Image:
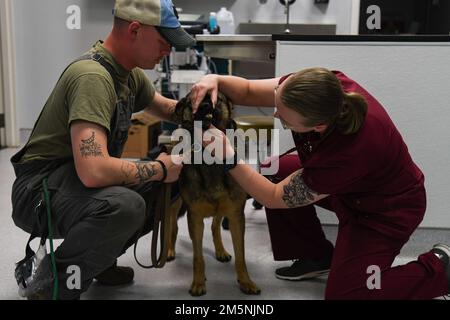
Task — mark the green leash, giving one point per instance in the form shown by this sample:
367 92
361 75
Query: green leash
50 237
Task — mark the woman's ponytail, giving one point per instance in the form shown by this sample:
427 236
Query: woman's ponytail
353 115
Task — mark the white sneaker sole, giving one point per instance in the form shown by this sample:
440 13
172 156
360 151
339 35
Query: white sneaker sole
305 276
443 247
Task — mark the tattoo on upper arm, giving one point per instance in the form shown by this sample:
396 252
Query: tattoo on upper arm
297 193
90 148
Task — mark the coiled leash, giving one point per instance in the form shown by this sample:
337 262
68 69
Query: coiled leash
161 223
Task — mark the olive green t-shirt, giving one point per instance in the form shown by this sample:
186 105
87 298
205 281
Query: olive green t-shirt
84 92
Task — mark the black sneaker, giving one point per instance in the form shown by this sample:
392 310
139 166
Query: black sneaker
304 269
116 276
442 251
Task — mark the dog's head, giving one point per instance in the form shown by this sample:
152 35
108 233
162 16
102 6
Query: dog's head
220 116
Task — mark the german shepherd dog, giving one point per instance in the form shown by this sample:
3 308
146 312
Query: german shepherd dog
208 191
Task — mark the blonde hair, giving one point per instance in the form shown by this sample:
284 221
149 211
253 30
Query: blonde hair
318 96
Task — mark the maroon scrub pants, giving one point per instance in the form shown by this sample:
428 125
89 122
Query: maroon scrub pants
297 233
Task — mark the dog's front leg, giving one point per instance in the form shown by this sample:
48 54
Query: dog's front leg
196 227
237 229
221 254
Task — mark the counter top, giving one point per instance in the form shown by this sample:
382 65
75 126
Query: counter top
322 38
234 37
362 38
262 47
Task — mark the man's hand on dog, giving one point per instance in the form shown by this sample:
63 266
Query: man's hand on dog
208 84
174 164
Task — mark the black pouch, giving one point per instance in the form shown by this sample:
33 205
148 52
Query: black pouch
26 271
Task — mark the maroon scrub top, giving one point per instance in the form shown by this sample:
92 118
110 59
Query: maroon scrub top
370 175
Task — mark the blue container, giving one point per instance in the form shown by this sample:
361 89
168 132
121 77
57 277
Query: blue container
212 21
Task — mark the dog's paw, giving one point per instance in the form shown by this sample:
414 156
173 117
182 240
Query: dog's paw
198 289
170 255
249 287
223 256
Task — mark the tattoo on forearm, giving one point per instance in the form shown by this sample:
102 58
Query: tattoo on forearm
90 148
138 172
297 193
145 171
127 171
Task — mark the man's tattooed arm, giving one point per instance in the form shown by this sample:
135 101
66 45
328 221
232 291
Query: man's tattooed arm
136 173
145 171
97 169
162 108
90 148
298 194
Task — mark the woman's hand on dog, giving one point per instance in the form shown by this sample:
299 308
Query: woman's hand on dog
208 84
174 164
217 143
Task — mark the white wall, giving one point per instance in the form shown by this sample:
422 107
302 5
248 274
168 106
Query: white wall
411 81
302 11
2 100
44 46
8 74
1 74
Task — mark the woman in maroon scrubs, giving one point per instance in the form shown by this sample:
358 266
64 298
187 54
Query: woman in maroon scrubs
351 160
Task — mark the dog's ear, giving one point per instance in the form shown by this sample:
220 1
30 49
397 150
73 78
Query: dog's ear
183 113
223 112
225 102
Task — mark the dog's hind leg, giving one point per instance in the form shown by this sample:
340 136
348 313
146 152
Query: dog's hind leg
237 230
221 254
196 227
